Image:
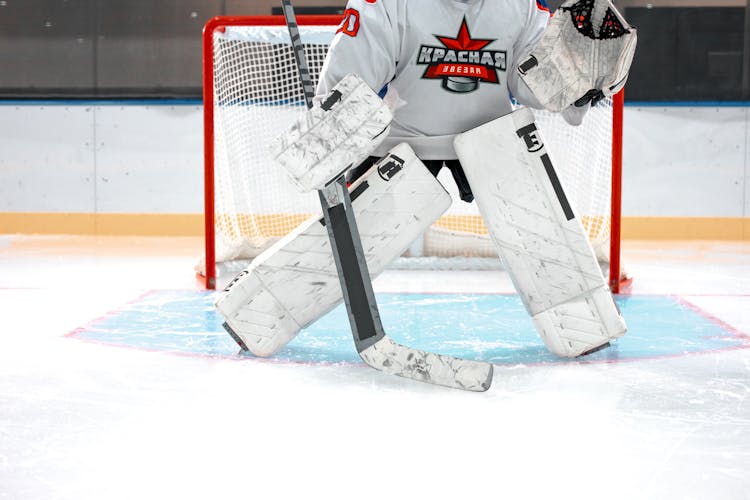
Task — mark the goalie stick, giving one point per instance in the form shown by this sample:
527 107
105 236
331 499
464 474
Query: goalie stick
373 345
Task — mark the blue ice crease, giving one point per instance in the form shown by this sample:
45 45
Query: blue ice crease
486 327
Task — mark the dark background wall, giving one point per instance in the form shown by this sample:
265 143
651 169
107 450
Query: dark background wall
102 48
691 53
152 49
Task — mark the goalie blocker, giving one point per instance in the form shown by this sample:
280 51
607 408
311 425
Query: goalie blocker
335 133
538 236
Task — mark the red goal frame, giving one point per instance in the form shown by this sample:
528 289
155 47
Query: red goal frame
220 22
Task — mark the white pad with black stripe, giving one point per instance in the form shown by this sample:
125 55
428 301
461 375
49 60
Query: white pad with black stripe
538 236
295 282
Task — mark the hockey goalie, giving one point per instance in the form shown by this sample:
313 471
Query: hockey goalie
411 87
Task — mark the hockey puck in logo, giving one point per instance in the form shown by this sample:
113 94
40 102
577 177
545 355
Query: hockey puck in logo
460 84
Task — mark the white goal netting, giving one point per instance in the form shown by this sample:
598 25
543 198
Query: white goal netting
256 93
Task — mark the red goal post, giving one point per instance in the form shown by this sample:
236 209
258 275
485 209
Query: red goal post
251 91
217 24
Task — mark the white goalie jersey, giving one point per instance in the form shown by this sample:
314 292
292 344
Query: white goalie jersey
455 62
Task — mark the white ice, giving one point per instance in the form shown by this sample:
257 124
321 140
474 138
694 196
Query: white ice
87 421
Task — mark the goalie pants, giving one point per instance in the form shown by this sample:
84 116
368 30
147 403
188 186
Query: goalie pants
434 166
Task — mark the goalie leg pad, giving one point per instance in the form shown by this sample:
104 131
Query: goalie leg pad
341 130
295 282
537 235
580 325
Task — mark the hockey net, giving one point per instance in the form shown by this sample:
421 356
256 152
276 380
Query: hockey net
251 94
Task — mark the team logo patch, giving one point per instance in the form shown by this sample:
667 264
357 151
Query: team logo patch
462 62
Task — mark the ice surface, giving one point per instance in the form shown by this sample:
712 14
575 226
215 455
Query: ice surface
82 420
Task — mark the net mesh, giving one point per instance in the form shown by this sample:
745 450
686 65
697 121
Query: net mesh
257 93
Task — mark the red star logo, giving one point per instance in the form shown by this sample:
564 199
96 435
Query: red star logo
463 41
463 63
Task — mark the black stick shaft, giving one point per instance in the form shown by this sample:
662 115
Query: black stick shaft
343 234
299 52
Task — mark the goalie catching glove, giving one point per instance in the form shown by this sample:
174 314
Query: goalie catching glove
339 131
583 56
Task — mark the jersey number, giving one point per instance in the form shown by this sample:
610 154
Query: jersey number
350 24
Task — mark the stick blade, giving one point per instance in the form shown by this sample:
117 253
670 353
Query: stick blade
395 359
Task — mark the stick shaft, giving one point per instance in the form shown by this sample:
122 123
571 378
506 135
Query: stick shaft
299 52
